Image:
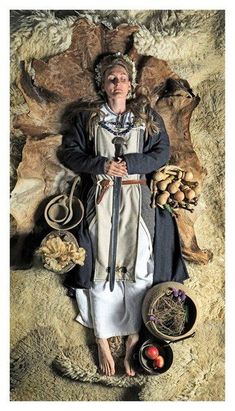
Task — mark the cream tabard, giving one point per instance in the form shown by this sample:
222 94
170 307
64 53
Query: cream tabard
129 217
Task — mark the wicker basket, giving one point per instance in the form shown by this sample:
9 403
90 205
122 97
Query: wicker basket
158 291
65 236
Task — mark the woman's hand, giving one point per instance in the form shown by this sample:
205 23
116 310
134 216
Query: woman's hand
115 168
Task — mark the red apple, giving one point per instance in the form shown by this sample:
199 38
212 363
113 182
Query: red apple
158 362
151 352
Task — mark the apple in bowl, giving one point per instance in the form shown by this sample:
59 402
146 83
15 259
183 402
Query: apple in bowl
158 362
151 352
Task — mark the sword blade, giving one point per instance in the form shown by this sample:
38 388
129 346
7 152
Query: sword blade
117 183
114 230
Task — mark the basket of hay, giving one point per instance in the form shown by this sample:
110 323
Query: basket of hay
170 311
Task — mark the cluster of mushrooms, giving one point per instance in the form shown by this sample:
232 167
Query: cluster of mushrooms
57 253
173 187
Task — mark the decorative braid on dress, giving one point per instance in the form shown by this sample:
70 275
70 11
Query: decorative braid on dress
116 133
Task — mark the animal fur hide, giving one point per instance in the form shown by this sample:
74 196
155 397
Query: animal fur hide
68 76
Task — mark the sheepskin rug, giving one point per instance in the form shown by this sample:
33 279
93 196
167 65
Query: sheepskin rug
45 338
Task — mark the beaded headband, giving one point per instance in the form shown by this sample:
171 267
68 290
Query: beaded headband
118 59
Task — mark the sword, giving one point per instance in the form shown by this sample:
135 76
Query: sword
118 143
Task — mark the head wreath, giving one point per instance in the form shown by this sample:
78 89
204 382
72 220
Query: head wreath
115 59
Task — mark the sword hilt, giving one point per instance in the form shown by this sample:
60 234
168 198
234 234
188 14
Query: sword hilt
118 142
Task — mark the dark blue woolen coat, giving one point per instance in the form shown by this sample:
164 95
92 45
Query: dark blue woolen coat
77 154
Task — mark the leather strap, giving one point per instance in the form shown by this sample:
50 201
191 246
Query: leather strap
124 182
105 184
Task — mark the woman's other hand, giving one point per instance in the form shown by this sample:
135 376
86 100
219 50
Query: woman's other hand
115 168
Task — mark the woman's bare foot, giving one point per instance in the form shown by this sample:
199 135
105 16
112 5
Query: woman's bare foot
106 362
130 345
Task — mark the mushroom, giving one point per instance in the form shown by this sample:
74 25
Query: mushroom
160 175
162 198
174 187
162 185
189 194
188 176
178 196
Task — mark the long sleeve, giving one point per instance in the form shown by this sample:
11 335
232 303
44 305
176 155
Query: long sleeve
76 151
156 153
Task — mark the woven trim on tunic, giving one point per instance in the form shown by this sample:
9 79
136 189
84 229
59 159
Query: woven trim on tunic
116 133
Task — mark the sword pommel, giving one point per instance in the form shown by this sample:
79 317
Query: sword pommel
118 140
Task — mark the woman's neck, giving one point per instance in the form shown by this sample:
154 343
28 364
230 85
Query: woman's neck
118 106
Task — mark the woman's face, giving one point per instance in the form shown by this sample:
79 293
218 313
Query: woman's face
116 82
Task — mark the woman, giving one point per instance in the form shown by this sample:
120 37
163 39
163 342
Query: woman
88 148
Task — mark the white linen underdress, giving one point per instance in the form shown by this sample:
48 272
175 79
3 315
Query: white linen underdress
117 313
